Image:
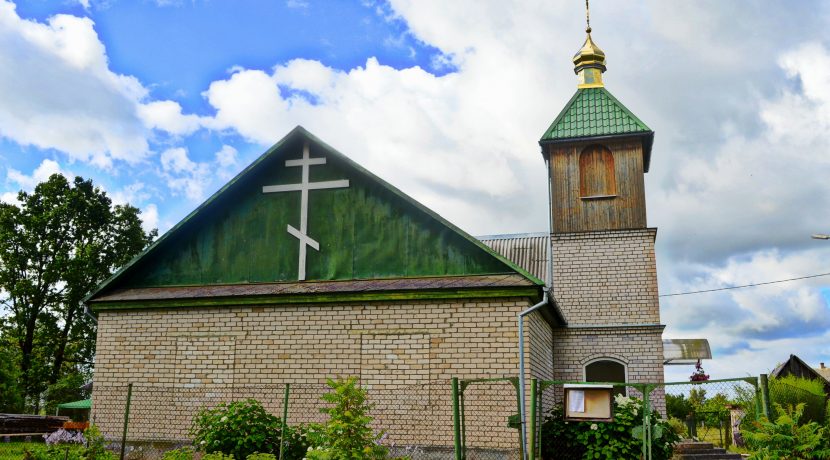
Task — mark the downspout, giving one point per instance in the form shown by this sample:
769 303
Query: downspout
88 312
545 300
522 411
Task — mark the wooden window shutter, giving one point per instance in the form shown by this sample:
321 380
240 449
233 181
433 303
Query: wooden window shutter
596 172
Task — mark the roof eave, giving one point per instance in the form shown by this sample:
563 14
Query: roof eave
646 136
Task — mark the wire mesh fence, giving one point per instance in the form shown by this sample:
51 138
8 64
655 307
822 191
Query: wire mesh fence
489 419
713 411
785 394
145 421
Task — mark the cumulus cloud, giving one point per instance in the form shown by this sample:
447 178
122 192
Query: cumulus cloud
58 92
40 174
736 171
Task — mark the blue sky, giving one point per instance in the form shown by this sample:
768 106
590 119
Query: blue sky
161 102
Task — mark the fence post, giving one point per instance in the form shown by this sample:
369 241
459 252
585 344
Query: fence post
456 419
647 422
126 419
284 418
534 387
765 404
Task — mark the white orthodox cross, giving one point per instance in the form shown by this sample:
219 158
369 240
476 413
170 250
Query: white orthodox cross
303 187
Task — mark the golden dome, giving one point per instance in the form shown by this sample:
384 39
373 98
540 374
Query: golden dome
589 55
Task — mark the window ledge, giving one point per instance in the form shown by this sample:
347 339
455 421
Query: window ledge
598 197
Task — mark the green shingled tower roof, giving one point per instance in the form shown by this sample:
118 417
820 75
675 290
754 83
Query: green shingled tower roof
593 112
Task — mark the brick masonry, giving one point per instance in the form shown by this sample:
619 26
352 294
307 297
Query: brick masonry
405 354
606 287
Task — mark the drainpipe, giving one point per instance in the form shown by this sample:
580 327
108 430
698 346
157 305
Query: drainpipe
522 410
88 312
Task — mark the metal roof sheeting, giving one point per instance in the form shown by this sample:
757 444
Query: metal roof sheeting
527 250
593 112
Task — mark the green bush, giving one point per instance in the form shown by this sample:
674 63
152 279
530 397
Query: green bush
617 440
243 428
678 426
92 450
346 434
788 438
791 391
258 456
217 456
678 406
183 453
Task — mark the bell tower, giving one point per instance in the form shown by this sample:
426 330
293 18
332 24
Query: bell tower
604 269
597 151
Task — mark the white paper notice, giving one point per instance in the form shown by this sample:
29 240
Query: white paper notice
576 401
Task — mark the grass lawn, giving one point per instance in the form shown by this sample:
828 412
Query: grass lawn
14 450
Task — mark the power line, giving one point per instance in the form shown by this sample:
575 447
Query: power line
746 285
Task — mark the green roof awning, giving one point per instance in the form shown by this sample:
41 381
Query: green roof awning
82 404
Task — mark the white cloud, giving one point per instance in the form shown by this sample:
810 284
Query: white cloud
226 156
168 116
149 217
40 174
58 92
297 4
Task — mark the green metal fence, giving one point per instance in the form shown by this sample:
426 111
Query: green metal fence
461 419
709 411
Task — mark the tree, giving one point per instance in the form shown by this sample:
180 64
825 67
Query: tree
55 247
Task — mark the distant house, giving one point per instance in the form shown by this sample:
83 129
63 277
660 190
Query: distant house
795 366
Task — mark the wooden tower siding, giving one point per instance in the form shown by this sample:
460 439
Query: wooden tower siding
573 211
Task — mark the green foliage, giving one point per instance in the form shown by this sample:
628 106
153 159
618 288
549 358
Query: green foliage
66 389
93 450
239 429
96 445
791 391
678 406
261 457
55 452
788 438
182 453
217 456
55 246
11 397
346 435
678 426
617 440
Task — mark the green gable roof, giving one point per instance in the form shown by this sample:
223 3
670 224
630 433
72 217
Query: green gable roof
594 112
366 230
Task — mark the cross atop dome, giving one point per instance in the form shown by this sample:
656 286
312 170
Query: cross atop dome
589 61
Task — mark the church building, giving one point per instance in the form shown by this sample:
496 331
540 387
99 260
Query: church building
306 266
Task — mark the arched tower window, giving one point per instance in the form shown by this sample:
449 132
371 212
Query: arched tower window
607 370
596 172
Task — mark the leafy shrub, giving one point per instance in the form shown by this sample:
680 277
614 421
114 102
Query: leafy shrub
346 434
259 456
617 440
96 445
184 453
791 391
678 406
217 456
243 428
788 438
237 429
67 445
678 426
